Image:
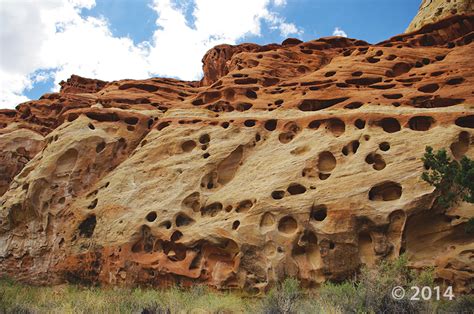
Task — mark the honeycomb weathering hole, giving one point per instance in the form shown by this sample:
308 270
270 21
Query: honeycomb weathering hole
204 139
86 228
151 216
267 220
359 123
278 195
287 225
188 146
319 104
336 126
326 162
429 88
420 123
235 225
183 220
271 124
465 122
385 146
390 125
376 160
460 147
100 147
318 212
176 236
296 188
385 191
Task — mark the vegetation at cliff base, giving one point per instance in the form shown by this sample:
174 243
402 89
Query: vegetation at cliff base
368 292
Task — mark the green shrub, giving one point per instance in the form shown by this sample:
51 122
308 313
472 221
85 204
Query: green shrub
371 290
453 179
284 298
463 304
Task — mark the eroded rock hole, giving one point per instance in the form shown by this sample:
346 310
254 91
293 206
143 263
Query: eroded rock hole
353 105
151 216
385 146
93 204
287 225
455 81
315 124
249 123
460 148
235 225
100 147
296 188
352 147
183 220
86 228
244 206
228 167
390 125
131 120
192 201
176 236
251 94
376 160
385 191
268 220
204 139
359 123
162 125
278 195
429 88
188 145
319 104
420 123
326 161
318 212
271 125
465 122
336 126
212 209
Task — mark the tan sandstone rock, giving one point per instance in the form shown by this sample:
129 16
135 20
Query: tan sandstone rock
300 159
434 10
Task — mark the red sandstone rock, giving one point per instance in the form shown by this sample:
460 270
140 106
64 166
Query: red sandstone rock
300 159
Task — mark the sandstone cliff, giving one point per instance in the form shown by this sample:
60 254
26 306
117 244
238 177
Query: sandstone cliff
434 10
300 159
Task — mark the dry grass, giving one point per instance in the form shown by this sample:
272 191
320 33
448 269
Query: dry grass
368 293
19 298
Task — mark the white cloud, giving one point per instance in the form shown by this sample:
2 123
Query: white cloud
177 48
50 39
339 32
279 3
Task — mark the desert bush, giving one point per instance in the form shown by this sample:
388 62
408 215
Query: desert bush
463 305
20 298
371 290
283 298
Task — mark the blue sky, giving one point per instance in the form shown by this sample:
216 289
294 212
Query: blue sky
116 39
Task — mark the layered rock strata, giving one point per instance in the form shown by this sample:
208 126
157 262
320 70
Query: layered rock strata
301 159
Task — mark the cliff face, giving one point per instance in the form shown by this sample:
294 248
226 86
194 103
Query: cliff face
434 10
300 159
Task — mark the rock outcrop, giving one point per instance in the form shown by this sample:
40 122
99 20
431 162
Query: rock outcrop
301 159
434 10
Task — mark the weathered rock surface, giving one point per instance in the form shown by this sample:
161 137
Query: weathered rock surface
300 159
434 10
